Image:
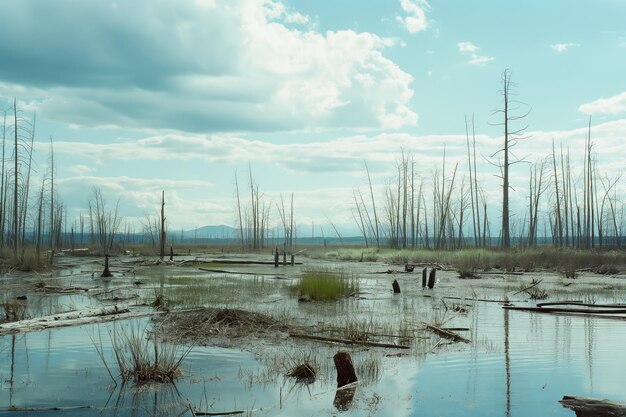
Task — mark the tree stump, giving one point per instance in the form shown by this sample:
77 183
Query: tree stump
106 273
409 268
431 278
344 398
345 369
396 286
424 278
276 258
171 253
293 259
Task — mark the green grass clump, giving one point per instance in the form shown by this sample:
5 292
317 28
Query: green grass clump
326 285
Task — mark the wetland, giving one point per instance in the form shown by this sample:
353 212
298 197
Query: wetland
239 330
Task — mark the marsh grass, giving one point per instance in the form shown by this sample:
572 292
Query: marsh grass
142 357
326 284
564 260
226 290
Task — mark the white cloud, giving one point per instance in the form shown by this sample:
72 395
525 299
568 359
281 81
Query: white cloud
415 21
611 105
222 65
470 50
466 47
562 47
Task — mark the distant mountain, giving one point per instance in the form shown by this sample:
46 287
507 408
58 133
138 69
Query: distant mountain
212 232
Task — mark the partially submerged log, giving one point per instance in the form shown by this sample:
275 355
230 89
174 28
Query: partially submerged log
597 310
447 334
78 407
347 341
345 369
591 407
73 318
396 286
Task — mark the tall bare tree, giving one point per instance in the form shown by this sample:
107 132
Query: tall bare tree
511 113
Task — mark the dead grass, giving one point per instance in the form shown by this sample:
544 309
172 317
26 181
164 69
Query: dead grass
198 326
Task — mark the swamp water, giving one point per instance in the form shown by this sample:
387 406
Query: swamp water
518 364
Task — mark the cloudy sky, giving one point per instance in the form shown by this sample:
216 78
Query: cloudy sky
143 96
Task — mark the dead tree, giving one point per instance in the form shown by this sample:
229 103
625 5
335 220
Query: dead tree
511 138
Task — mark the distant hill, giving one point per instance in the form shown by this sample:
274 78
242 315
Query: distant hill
212 232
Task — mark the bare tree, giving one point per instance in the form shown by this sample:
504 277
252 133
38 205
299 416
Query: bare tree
509 112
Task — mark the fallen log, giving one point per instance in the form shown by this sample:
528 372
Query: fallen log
218 413
347 341
605 310
591 407
239 262
446 334
73 318
224 271
13 408
580 304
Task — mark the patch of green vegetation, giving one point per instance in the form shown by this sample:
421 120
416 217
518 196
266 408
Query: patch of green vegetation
326 285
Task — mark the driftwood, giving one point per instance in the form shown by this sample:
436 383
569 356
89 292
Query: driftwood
73 318
598 310
534 284
223 271
78 407
591 407
218 413
581 304
485 300
347 341
447 334
239 262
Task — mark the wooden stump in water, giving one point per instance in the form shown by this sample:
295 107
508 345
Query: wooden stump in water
344 398
106 273
396 286
171 253
293 259
345 369
424 272
431 278
276 258
409 268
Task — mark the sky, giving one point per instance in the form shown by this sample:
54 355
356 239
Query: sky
183 96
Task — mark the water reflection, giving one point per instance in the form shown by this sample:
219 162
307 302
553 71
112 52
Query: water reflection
544 358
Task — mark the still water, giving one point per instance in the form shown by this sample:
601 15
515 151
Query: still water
518 364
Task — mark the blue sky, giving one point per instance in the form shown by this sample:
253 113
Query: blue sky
179 95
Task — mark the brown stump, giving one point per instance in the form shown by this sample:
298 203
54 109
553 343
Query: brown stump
293 259
106 273
171 253
431 278
409 268
345 369
396 286
344 398
276 258
424 272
